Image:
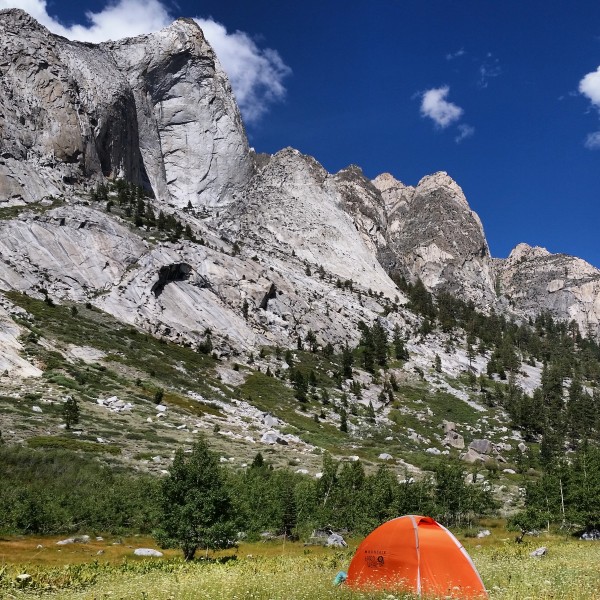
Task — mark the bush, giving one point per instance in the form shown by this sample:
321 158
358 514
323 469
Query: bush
47 441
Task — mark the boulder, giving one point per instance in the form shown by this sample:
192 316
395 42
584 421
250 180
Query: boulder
448 426
591 535
471 456
78 539
434 451
537 553
522 447
273 437
385 456
482 446
335 540
147 552
454 440
270 421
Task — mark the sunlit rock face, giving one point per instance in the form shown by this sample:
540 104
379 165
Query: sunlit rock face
192 140
534 280
156 109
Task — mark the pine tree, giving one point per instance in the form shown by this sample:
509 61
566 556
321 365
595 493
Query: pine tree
347 362
370 413
70 412
380 344
398 343
311 340
300 387
196 509
343 420
161 223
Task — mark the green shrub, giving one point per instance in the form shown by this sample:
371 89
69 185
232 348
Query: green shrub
62 443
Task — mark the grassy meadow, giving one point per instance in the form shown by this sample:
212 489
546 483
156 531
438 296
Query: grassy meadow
277 570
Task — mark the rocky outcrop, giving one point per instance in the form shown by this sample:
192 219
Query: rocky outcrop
70 253
294 209
434 235
534 280
364 203
156 110
11 362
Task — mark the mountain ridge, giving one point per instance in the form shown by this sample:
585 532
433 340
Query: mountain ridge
167 119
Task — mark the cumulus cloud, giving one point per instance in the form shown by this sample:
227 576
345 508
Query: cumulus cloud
589 86
464 131
123 18
435 106
256 74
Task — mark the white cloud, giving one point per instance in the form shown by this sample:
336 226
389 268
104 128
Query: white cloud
464 131
592 141
256 74
435 106
589 86
118 19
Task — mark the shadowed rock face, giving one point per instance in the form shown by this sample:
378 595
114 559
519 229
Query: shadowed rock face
169 273
434 235
156 110
67 114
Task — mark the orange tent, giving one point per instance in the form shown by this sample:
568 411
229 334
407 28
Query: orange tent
415 554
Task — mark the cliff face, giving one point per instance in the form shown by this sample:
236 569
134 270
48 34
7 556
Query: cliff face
67 114
156 110
192 140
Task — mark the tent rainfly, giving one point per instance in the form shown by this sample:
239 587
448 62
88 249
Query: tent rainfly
418 555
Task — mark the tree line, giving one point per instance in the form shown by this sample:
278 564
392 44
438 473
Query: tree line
202 501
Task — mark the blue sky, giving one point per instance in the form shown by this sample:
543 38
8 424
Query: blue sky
487 91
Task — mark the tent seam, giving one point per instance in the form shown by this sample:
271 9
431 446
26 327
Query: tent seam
414 522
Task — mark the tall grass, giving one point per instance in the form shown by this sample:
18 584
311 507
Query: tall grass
568 572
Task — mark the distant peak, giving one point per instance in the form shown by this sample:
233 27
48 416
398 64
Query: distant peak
522 251
386 181
438 179
441 180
